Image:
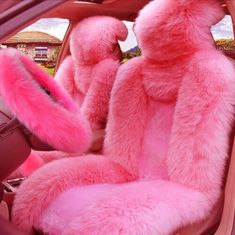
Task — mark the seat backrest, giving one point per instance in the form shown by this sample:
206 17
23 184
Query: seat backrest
89 73
222 221
198 147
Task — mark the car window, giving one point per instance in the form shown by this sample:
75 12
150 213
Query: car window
129 47
41 41
130 42
221 32
224 36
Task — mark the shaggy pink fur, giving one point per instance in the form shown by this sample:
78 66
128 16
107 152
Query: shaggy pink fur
88 74
37 159
86 170
24 87
171 112
160 208
132 211
65 78
29 166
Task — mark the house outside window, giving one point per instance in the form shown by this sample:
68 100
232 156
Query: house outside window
39 46
40 41
224 36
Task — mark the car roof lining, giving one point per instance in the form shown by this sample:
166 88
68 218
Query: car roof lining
121 9
37 9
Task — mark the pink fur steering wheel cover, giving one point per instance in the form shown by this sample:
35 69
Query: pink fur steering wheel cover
57 121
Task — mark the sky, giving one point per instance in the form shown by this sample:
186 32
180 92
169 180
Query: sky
223 29
54 26
57 27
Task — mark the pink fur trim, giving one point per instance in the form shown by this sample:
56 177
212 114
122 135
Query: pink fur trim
59 123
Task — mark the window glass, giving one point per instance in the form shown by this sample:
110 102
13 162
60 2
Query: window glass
224 29
54 26
224 36
130 42
41 41
129 47
221 32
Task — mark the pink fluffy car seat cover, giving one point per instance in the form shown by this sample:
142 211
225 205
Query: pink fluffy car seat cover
89 73
39 103
171 113
87 76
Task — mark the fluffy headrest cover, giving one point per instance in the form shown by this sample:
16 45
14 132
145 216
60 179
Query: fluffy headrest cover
166 28
96 38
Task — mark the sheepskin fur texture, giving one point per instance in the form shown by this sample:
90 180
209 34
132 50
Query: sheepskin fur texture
167 137
37 159
53 117
89 73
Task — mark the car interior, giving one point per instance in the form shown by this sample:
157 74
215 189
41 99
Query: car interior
15 15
